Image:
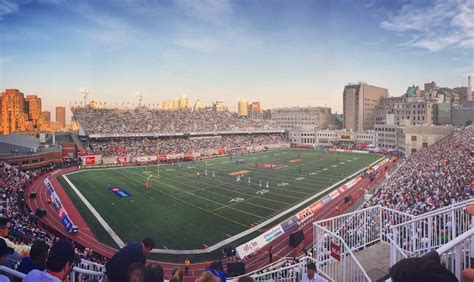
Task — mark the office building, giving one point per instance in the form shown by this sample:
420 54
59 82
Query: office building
308 117
359 103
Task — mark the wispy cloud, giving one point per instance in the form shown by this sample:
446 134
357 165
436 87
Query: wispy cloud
199 44
104 28
443 24
8 7
210 11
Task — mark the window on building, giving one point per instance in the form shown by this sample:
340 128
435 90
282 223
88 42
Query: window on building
24 162
425 144
413 138
413 150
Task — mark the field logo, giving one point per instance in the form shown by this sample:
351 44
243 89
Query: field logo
295 161
120 192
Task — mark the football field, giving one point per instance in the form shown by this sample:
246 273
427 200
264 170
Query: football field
199 203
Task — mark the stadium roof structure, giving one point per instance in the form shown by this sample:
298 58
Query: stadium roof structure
25 141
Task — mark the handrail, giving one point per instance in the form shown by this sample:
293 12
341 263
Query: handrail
451 244
437 211
349 251
12 272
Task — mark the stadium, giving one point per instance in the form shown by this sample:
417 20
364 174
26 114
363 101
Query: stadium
238 195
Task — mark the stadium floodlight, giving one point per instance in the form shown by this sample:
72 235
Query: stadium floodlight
85 94
140 98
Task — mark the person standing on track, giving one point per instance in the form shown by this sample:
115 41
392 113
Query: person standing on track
187 263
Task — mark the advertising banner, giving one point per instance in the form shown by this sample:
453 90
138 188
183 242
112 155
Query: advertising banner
65 220
259 242
334 194
250 247
121 159
304 215
316 206
90 160
286 225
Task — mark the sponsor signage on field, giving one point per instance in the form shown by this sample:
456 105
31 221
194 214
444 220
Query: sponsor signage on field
316 206
272 234
304 214
119 192
250 247
292 221
63 216
325 200
334 194
259 242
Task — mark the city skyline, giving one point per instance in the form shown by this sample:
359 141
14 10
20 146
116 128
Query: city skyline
282 54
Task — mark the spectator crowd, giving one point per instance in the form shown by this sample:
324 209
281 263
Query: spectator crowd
434 177
135 147
143 120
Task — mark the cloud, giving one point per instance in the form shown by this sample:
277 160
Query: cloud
199 44
209 11
442 24
8 7
104 28
369 3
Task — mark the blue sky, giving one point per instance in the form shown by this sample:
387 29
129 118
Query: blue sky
283 53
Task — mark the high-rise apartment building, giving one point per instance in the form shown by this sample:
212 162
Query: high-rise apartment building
242 106
359 103
61 116
14 114
33 104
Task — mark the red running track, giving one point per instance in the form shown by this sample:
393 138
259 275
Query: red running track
280 249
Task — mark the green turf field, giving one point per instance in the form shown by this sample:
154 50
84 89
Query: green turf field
183 211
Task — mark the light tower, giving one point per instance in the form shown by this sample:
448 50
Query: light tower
140 98
85 94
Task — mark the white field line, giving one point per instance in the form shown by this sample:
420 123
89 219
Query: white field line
99 218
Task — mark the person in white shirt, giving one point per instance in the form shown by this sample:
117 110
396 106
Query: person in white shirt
311 275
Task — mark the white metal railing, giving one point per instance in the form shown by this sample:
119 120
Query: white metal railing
288 273
363 227
352 232
429 231
346 268
458 254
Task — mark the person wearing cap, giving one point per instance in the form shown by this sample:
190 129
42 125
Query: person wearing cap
118 266
311 275
4 252
59 264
